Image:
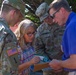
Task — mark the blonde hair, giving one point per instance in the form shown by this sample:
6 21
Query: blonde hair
21 30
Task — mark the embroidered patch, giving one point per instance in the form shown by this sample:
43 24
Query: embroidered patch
11 52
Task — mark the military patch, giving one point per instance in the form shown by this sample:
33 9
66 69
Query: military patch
11 52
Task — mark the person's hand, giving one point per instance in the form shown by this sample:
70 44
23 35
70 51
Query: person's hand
35 60
59 70
55 64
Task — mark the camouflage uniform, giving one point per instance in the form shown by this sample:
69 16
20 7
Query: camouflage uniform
9 61
48 40
47 43
6 67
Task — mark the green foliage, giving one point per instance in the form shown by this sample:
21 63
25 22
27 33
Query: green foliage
48 1
0 2
73 4
33 18
36 20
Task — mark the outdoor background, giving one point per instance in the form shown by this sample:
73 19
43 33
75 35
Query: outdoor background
31 6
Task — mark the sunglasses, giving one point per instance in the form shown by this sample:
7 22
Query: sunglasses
53 15
30 33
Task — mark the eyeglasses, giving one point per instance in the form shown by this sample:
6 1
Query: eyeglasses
30 33
53 15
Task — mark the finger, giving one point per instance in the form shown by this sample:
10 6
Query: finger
59 70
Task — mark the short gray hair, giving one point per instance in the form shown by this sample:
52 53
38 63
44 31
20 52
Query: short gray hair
56 4
6 8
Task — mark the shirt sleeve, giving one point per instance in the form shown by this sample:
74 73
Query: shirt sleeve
39 46
71 39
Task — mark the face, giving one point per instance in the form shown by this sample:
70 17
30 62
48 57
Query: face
17 17
29 35
48 20
57 16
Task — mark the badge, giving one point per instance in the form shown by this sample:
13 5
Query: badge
11 52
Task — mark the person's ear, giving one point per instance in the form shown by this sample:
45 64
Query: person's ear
13 12
62 10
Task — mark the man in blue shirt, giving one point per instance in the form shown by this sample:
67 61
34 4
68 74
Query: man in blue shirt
62 14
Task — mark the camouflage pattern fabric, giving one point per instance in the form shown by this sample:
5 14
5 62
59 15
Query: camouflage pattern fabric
18 4
48 39
5 66
55 73
47 43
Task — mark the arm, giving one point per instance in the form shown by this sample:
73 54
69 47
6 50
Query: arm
28 64
69 63
39 46
70 48
40 39
24 66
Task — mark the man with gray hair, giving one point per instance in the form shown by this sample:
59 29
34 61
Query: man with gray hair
48 37
62 14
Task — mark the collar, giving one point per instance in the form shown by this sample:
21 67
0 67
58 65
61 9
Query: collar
71 15
4 21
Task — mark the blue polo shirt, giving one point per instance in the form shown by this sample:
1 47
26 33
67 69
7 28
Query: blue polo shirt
69 37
